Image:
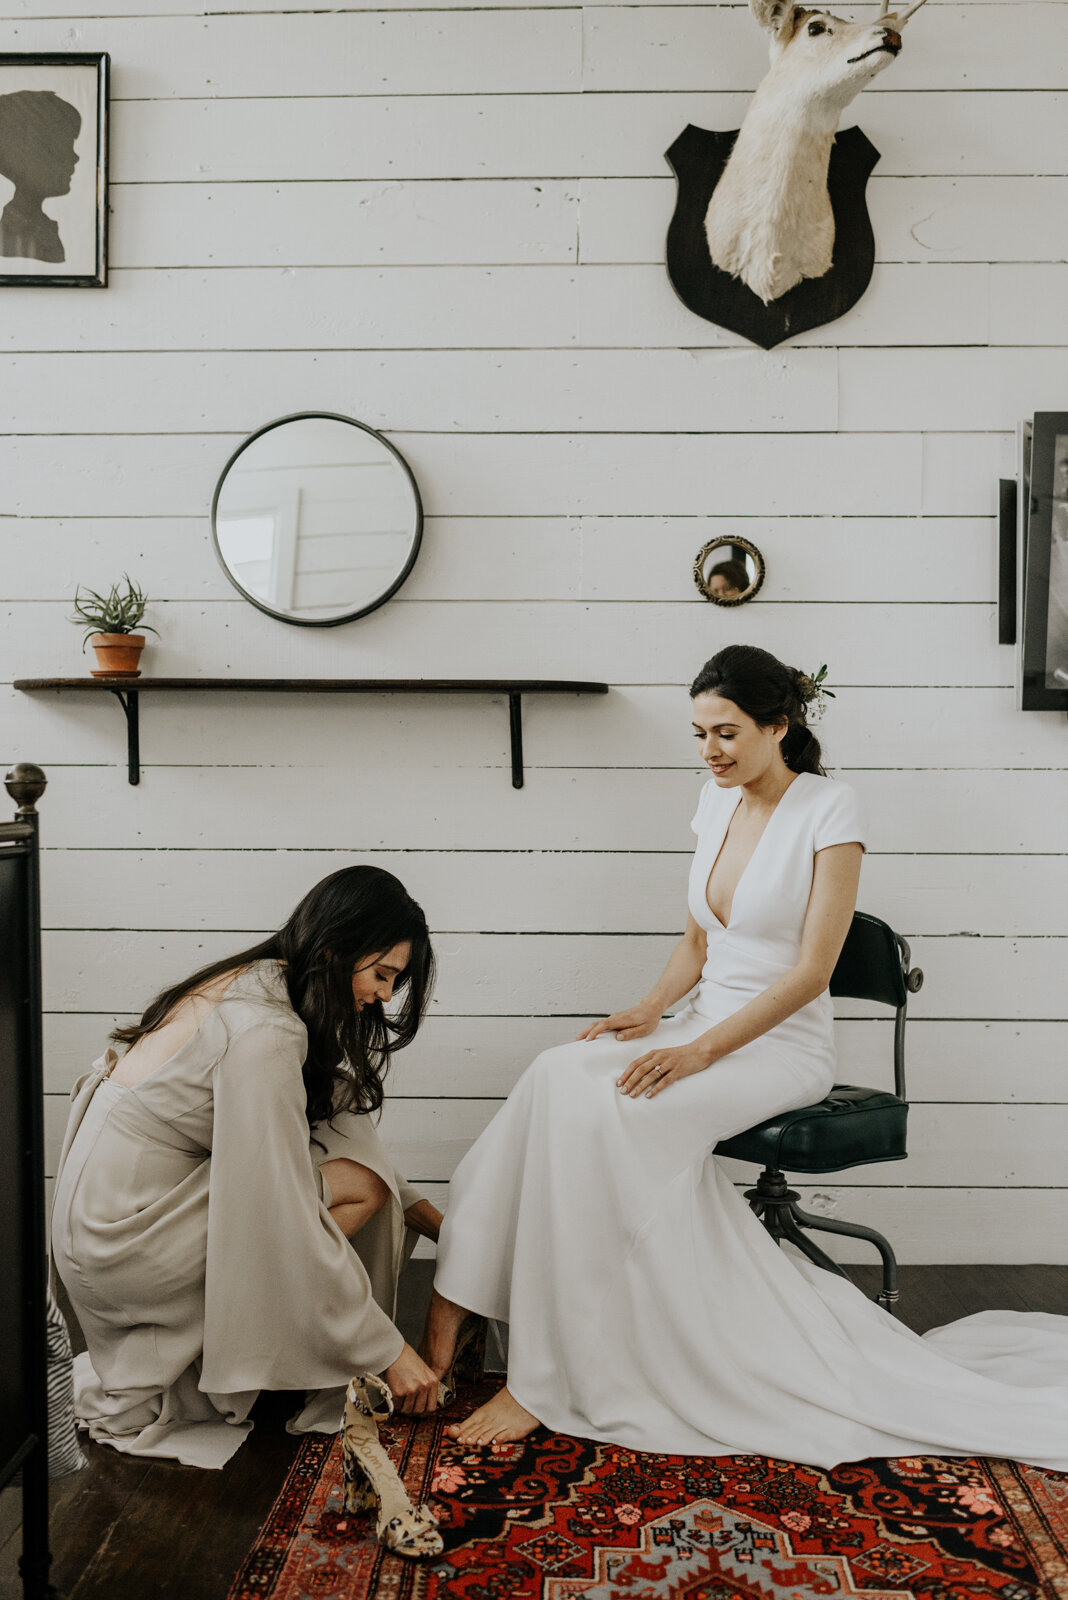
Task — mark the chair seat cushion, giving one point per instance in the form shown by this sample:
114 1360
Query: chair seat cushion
851 1127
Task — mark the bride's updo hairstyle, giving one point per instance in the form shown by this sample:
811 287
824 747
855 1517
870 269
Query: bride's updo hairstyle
346 919
770 692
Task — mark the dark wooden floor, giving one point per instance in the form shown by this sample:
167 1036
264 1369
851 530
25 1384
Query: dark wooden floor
128 1529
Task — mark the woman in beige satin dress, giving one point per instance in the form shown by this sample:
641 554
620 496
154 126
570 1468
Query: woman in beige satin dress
226 1218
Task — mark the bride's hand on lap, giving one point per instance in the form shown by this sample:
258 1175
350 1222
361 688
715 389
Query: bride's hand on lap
414 1385
650 1074
634 1023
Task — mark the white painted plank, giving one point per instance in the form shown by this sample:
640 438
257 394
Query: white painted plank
553 558
20 10
597 305
516 390
959 1060
633 727
915 219
561 975
907 727
961 471
1026 306
611 642
459 891
939 1226
329 53
963 1146
531 50
387 223
468 892
483 1057
642 47
974 390
275 308
549 136
295 225
358 805
547 475
967 1146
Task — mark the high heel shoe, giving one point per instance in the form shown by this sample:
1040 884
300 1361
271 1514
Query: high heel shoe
371 1480
468 1358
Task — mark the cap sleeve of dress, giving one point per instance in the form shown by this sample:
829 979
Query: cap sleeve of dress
840 819
704 800
287 1302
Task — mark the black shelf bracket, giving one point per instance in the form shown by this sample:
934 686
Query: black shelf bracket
515 729
128 700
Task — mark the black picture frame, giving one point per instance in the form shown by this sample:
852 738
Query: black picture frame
1044 512
65 246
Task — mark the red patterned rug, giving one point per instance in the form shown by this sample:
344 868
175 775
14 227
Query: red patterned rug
556 1518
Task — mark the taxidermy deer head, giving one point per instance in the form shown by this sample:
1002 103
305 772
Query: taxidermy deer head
770 221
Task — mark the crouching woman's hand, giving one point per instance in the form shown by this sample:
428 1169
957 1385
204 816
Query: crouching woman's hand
413 1383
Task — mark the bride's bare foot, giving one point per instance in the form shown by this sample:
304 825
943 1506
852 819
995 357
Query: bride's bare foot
438 1344
499 1421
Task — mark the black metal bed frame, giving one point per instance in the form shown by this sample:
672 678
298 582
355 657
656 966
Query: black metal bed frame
23 1338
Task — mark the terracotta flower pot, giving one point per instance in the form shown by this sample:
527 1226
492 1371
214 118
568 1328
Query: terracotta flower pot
117 654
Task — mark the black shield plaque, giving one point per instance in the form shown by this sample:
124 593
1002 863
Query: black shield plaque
697 159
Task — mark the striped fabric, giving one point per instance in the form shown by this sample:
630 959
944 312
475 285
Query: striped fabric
64 1453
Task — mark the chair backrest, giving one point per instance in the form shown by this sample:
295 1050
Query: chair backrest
870 966
874 965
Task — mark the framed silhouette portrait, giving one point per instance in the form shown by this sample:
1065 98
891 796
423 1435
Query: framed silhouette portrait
53 170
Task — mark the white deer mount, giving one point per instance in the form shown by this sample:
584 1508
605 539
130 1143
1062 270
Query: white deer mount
770 221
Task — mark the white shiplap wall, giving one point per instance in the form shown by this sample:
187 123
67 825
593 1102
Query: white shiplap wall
449 223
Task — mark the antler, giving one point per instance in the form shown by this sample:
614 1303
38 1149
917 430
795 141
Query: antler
894 16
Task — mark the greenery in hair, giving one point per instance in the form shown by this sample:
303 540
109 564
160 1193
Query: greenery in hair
814 690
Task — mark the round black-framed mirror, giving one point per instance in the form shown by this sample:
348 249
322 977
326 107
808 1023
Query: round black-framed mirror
735 577
316 519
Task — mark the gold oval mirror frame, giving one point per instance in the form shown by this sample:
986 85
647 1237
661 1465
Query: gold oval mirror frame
733 579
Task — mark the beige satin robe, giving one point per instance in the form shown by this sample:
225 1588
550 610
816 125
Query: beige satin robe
191 1230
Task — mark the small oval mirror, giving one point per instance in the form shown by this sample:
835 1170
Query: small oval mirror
729 571
317 519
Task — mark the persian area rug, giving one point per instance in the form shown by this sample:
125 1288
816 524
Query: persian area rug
556 1518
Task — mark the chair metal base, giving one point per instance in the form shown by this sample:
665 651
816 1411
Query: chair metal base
777 1207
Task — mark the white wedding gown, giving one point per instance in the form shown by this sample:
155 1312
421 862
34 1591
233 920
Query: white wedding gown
647 1306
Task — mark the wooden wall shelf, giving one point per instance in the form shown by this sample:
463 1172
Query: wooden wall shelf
129 690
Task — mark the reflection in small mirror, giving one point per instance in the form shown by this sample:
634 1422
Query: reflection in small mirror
317 519
728 571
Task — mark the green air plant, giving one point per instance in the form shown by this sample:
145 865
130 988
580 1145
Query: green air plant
119 611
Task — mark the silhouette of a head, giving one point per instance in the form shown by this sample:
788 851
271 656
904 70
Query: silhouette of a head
37 134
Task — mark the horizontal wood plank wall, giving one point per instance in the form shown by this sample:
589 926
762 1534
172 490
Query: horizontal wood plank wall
450 223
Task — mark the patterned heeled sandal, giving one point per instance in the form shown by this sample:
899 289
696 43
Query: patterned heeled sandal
469 1358
371 1480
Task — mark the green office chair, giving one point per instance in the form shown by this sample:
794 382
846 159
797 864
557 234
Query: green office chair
852 1126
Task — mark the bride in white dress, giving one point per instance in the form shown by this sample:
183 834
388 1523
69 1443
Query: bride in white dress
646 1304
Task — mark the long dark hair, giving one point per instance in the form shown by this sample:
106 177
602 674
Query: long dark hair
350 916
770 692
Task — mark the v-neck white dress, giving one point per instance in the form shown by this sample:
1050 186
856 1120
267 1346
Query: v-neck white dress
647 1305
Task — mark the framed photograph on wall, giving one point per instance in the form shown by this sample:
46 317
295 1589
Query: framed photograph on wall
53 170
1044 643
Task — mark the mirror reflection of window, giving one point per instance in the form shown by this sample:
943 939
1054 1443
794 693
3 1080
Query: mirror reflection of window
343 513
1057 614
